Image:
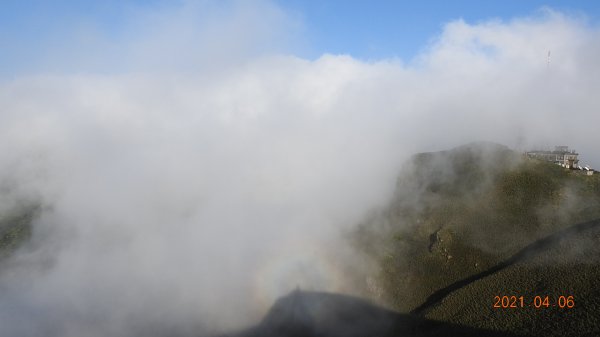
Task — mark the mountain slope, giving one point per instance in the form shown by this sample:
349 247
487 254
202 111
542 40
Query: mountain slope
460 213
15 229
308 314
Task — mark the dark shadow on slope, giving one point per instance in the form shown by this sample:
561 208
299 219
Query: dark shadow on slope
318 314
533 248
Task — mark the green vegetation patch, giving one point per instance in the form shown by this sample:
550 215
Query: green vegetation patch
457 213
15 229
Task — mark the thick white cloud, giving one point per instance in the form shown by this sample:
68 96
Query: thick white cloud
190 201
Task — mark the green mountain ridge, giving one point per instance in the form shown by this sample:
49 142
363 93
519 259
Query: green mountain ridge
15 229
459 213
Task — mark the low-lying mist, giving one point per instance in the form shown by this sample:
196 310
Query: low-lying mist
190 201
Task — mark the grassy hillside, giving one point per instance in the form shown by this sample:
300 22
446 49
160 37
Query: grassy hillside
461 212
15 229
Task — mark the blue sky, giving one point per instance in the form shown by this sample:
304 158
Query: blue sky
379 29
32 30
